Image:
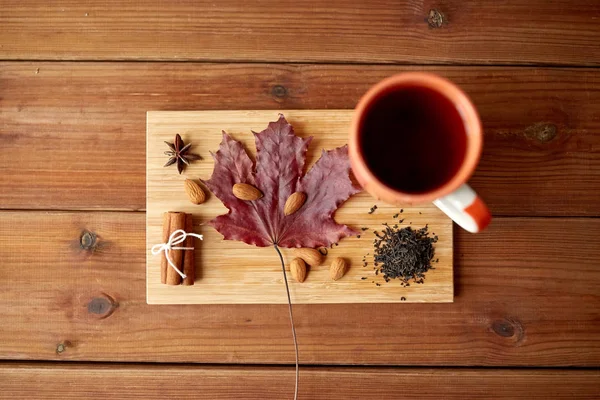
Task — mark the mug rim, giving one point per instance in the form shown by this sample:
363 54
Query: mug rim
467 112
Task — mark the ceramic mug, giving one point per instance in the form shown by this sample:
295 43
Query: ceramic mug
417 138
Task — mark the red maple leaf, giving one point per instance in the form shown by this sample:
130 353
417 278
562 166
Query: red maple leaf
279 172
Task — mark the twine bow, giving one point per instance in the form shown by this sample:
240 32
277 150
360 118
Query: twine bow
176 238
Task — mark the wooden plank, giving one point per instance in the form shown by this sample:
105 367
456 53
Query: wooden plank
225 264
385 31
96 381
526 293
72 134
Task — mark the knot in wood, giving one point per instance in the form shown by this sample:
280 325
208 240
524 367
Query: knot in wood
279 91
435 18
511 329
62 347
503 328
87 241
102 306
541 132
99 306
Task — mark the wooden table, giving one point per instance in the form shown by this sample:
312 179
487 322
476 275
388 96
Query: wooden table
76 79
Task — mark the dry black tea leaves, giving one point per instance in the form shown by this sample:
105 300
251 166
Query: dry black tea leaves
404 254
179 154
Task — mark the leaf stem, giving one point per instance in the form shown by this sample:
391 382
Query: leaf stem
287 289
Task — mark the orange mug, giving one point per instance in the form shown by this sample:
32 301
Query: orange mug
417 138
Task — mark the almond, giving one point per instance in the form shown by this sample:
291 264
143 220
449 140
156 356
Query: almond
245 191
298 269
311 256
194 192
338 268
294 202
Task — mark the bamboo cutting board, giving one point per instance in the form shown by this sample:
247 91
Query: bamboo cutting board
229 272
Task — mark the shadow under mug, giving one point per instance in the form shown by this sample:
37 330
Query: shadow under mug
417 138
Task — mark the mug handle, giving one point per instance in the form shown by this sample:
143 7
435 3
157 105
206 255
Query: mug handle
465 208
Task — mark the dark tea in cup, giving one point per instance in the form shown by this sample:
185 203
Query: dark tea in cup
413 139
417 138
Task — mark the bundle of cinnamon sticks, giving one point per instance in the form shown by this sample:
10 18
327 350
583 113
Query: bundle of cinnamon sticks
183 259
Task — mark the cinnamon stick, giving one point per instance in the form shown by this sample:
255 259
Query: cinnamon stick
189 266
165 236
177 222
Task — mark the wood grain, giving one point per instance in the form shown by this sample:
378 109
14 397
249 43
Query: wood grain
63 382
236 273
75 131
383 31
526 293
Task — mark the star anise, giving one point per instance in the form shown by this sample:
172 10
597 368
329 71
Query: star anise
179 154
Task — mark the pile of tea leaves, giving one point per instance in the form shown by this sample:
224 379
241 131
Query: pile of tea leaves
404 254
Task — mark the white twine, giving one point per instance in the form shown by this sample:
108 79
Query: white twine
176 237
